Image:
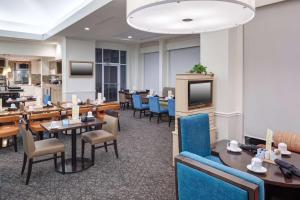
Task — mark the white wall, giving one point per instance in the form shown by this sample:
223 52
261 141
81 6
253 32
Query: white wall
27 49
272 68
222 53
79 50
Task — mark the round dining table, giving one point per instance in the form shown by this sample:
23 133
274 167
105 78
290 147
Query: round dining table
275 183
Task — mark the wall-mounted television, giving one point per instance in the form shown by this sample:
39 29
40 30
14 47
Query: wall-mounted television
200 94
81 68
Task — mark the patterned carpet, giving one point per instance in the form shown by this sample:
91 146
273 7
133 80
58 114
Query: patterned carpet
143 171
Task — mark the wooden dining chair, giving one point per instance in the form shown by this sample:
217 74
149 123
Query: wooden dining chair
35 121
108 133
124 102
9 127
36 149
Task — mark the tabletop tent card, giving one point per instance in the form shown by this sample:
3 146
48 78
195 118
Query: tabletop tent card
170 94
74 99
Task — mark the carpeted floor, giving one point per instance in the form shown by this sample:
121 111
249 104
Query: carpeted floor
143 171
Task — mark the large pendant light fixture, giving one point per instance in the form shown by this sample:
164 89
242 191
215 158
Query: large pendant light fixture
188 16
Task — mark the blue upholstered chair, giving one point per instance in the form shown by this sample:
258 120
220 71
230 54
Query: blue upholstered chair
46 99
138 105
171 110
194 135
156 109
200 175
199 178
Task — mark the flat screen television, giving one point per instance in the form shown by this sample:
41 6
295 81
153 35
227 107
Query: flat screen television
81 68
200 94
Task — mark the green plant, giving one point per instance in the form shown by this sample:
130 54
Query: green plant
199 69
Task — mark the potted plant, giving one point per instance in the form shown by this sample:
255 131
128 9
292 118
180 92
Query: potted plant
199 69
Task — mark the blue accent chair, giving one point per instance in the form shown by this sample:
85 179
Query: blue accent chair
198 178
156 109
171 110
46 99
194 136
138 105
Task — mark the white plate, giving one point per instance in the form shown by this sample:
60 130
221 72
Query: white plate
286 153
234 150
262 170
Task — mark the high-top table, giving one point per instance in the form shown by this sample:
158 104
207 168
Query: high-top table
74 164
275 182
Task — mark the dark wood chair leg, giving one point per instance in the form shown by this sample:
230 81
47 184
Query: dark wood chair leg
29 170
41 136
116 148
24 163
170 119
15 143
63 162
158 118
134 112
119 127
82 149
151 115
93 154
141 114
105 146
55 161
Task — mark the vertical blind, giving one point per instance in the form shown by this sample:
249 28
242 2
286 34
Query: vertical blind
151 71
272 69
182 61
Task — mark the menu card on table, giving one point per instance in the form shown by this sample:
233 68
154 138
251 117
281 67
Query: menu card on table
74 99
75 112
269 140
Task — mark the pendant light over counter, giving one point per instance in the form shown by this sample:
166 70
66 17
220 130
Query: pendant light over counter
188 16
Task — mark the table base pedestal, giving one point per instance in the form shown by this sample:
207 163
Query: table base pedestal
80 166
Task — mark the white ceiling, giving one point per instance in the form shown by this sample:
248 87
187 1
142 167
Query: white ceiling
109 24
39 18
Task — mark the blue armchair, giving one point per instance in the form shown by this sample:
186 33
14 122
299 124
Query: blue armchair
199 175
138 105
171 110
198 178
194 135
156 109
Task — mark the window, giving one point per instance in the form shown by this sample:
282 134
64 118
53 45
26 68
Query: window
111 70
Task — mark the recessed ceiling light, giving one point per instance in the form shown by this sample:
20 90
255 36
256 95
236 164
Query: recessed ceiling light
129 37
188 16
86 28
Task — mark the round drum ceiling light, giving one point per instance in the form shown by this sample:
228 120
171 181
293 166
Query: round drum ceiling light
188 16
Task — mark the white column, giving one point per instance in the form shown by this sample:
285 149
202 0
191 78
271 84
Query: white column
222 53
162 64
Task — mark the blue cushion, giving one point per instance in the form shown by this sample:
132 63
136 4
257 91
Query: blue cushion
137 101
195 134
171 107
145 106
197 185
243 175
163 110
214 158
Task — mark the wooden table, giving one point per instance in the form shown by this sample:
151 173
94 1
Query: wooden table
74 164
44 109
274 180
5 112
